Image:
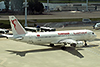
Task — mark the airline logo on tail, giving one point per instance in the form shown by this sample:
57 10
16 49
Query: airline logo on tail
14 23
16 26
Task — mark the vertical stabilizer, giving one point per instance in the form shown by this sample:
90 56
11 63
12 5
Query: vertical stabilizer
17 28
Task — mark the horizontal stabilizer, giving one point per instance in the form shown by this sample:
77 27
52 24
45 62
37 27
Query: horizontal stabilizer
7 35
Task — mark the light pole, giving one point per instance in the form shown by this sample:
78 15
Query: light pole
25 13
47 5
86 5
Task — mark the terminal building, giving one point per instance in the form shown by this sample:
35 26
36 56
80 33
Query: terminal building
72 6
53 6
2 5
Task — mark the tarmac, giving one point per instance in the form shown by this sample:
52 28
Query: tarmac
19 54
57 15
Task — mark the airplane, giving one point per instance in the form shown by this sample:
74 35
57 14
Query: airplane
72 37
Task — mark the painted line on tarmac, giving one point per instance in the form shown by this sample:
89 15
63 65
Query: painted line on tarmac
98 54
3 60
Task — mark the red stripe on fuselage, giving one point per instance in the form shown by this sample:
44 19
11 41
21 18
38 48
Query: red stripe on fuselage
38 35
75 33
80 33
63 33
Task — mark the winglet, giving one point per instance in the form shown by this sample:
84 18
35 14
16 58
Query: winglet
17 28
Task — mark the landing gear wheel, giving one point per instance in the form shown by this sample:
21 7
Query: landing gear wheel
63 47
52 45
85 43
73 45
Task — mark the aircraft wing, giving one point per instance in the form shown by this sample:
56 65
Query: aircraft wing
68 41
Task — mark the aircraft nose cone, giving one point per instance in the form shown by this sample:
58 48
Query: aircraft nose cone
94 36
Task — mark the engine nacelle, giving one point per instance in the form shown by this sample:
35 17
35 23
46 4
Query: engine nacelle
79 44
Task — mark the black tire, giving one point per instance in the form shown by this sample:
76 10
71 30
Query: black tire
63 47
85 43
52 45
73 45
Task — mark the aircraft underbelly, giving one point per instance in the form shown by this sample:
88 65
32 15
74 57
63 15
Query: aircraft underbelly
48 40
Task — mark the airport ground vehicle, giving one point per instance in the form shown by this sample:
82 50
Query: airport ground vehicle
42 29
96 26
86 20
4 30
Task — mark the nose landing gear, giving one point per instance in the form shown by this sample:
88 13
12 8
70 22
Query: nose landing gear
52 45
85 43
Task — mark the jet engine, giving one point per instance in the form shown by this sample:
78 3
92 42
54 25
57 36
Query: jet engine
79 44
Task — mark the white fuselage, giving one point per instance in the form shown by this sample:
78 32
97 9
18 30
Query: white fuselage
55 37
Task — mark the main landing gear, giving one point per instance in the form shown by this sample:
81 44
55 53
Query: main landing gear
85 43
52 45
63 47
